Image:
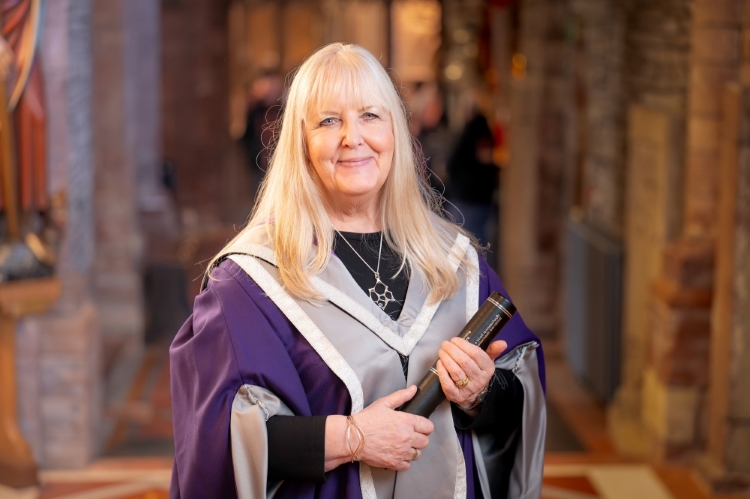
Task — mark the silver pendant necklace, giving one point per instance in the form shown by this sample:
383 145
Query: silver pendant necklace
379 293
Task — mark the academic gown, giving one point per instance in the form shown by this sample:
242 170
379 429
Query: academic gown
239 352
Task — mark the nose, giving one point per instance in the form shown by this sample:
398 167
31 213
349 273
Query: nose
352 134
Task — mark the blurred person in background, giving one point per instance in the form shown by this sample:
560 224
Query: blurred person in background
429 125
473 177
318 319
264 106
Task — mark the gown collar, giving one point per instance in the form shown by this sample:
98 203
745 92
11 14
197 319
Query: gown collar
339 287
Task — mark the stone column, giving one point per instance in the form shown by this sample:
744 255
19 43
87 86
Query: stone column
649 213
726 464
60 385
531 219
118 143
657 51
142 99
550 213
673 397
142 123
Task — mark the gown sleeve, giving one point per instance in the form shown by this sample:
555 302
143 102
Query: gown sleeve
204 380
302 437
511 444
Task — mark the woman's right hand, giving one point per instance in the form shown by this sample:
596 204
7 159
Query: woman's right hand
390 436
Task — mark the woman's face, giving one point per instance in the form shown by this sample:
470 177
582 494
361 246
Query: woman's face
351 151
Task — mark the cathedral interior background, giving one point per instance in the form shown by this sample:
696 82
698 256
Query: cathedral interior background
134 133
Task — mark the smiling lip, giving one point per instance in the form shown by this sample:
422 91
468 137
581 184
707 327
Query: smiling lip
355 161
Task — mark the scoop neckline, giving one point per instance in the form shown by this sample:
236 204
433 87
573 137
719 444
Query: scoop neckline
359 236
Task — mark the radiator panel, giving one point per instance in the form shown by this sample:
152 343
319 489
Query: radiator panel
593 307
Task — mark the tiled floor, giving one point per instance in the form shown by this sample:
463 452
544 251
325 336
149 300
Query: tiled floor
139 478
597 472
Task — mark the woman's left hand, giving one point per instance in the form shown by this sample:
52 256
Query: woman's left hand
461 361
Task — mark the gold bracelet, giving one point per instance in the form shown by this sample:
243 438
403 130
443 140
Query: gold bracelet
351 423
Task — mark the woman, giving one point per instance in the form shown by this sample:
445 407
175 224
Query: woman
333 302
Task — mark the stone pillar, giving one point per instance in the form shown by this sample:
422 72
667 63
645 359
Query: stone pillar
550 212
676 375
142 118
650 212
142 99
117 282
531 218
726 464
518 210
657 51
60 385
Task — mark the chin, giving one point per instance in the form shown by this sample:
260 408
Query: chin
359 193
357 189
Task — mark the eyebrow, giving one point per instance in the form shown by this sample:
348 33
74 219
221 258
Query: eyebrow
362 109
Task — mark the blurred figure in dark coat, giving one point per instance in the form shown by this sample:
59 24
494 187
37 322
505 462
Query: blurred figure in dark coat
264 107
429 125
473 177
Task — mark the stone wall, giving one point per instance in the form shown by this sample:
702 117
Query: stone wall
678 363
194 105
603 31
657 49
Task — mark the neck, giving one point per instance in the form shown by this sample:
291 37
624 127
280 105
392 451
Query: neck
353 218
359 225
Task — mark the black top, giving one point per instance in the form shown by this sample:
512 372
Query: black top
304 437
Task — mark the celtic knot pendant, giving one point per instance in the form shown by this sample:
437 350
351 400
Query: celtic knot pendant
380 293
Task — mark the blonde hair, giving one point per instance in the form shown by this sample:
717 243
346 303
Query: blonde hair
291 209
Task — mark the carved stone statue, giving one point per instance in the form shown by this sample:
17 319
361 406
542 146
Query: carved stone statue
23 156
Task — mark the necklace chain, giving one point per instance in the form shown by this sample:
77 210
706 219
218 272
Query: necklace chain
379 292
380 250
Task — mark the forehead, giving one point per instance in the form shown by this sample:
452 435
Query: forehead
340 87
339 103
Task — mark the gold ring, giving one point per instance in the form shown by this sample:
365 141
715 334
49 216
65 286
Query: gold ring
462 382
415 456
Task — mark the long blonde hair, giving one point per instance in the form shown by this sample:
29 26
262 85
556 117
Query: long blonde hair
290 207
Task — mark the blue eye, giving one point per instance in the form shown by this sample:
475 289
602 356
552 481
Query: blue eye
327 121
370 116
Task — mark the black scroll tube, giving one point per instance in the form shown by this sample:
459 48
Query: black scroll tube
481 329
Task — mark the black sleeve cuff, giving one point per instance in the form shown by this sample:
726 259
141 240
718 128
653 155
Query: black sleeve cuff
296 448
502 410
